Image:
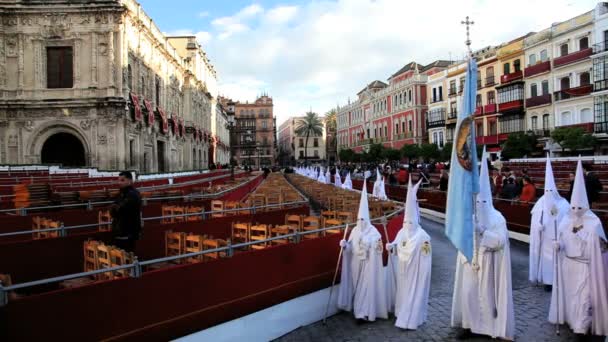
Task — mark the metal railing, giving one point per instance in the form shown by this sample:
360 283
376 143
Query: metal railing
136 270
203 214
89 205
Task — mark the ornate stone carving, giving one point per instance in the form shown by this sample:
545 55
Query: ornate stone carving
12 46
103 49
101 18
84 19
102 139
85 124
28 125
12 140
9 21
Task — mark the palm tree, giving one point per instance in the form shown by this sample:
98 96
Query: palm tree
309 125
331 145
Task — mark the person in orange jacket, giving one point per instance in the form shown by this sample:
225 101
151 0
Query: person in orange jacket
528 192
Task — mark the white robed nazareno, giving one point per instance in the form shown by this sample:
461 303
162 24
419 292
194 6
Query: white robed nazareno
482 299
547 213
378 189
580 289
337 179
409 268
362 283
348 183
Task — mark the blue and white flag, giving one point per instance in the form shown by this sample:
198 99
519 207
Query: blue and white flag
464 174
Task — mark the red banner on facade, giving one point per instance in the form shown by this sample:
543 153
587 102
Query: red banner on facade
182 128
175 124
150 110
136 106
165 121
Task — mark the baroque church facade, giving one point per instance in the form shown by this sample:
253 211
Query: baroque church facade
96 83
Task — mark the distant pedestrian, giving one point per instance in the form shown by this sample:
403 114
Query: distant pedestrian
592 184
528 192
443 180
126 214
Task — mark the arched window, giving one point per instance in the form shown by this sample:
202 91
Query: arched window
566 118
545 122
584 79
563 49
564 83
583 43
130 77
411 125
586 115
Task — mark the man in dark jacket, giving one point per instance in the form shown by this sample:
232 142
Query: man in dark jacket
592 184
126 214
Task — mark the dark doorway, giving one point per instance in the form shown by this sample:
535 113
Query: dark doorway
160 154
64 149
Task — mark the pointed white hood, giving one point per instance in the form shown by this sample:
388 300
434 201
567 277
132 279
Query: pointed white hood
551 195
327 176
337 179
363 214
348 183
484 205
411 218
579 204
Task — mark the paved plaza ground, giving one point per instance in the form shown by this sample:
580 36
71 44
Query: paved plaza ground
531 306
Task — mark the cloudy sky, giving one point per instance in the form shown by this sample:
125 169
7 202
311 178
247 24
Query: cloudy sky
316 54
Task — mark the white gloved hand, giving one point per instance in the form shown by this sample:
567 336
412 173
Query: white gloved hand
389 247
343 243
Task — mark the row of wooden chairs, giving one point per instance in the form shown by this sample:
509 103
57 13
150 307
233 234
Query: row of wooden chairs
42 223
98 255
176 213
178 243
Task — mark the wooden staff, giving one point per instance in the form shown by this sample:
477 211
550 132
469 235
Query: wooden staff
333 283
556 283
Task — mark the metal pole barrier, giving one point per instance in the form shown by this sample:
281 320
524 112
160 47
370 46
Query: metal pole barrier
3 295
230 251
136 268
62 231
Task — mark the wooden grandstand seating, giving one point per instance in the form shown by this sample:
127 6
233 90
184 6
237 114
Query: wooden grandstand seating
41 223
231 205
274 198
211 244
194 243
104 261
280 230
166 213
345 216
294 221
191 211
174 243
178 214
258 233
104 218
257 200
6 280
240 232
328 214
119 257
331 223
91 262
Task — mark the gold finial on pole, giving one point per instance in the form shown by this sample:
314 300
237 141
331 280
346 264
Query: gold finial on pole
468 24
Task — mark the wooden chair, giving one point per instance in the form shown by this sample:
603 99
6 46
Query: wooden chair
119 257
310 223
166 213
191 211
104 218
274 198
211 244
294 221
194 243
104 260
91 262
328 214
280 230
36 224
331 223
345 216
258 233
257 200
174 243
179 211
231 205
240 232
217 205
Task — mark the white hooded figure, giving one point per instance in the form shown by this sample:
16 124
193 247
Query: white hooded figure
409 268
483 301
362 282
337 179
547 213
320 176
327 176
348 184
379 191
580 285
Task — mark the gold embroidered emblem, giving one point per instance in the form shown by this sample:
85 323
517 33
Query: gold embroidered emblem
426 248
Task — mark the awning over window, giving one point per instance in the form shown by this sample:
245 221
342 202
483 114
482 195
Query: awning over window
150 110
165 121
175 124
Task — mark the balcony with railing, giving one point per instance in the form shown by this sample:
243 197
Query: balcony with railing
537 68
600 127
435 118
588 127
572 57
490 139
478 110
538 100
479 83
490 81
511 106
514 76
402 136
452 91
490 108
600 85
573 92
542 132
600 47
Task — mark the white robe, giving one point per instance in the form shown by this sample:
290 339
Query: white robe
541 263
478 293
409 278
581 290
362 287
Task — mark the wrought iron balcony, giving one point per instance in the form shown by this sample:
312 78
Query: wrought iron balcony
600 47
511 105
573 92
401 136
537 68
588 127
514 76
452 91
538 100
490 81
572 57
490 108
600 127
478 109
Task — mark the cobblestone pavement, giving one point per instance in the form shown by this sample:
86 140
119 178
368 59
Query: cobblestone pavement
531 306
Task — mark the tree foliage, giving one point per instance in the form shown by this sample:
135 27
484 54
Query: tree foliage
573 139
410 151
309 125
446 152
519 145
391 154
347 155
429 151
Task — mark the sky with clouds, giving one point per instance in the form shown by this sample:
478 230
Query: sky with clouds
316 54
